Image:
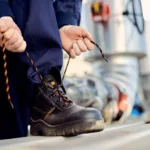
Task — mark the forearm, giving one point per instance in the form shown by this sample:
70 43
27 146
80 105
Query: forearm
68 12
5 9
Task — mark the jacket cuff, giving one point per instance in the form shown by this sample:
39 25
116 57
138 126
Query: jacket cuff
5 9
66 19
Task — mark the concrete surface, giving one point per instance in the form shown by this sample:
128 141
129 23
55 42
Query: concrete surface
117 137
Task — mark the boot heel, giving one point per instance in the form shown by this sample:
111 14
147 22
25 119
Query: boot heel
35 129
36 133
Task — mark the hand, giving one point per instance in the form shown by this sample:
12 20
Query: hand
75 40
13 39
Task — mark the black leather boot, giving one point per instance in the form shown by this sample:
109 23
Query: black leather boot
54 114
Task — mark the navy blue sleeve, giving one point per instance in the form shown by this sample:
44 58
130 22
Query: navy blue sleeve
67 12
5 9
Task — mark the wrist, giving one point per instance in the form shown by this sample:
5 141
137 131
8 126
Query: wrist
7 17
65 27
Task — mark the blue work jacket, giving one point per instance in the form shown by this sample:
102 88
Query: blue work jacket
39 21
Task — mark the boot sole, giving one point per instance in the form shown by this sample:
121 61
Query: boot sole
41 128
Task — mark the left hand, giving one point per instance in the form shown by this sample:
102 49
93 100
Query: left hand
75 40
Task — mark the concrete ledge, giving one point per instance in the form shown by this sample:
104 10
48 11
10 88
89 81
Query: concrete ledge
122 137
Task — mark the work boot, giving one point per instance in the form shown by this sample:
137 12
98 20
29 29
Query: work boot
53 114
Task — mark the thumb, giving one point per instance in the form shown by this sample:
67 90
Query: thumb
89 36
86 34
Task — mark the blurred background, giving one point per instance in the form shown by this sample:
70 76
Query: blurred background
119 88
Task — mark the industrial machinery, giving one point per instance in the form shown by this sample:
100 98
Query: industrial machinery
118 27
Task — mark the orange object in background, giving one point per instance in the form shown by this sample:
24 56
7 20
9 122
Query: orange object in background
123 103
100 11
121 100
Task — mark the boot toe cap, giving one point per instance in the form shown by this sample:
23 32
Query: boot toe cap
91 113
86 114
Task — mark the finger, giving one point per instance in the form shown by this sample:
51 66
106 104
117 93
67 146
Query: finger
76 49
81 45
16 45
88 44
9 23
14 38
6 23
0 39
22 47
9 34
3 25
72 54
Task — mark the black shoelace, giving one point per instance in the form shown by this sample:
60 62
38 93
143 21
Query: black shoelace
101 51
58 93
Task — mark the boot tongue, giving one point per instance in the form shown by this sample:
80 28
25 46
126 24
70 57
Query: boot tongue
51 81
54 77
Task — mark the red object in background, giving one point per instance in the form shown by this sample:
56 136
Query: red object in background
123 102
122 99
100 11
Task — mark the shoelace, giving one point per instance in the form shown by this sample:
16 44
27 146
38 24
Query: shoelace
101 51
60 94
6 73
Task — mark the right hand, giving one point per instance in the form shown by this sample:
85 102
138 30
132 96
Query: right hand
13 39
